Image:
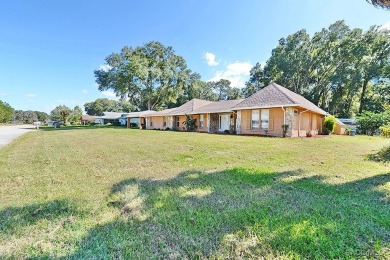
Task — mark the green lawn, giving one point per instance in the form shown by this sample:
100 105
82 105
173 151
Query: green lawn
118 193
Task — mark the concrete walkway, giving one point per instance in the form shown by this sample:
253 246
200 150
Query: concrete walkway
10 133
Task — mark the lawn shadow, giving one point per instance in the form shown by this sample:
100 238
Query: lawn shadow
243 214
16 219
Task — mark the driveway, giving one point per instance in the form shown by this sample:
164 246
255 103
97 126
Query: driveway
10 133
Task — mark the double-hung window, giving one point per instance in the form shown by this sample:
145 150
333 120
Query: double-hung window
151 121
264 119
178 121
255 120
201 121
164 121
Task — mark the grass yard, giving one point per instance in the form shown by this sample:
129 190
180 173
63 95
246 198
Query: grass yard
118 193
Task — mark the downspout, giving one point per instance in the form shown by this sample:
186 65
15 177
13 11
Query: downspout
299 122
284 115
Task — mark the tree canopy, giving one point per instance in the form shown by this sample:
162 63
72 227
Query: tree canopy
6 112
385 4
345 71
150 76
100 105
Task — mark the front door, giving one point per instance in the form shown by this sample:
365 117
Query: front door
224 122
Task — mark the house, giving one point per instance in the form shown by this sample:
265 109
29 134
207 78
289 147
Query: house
110 118
86 119
266 111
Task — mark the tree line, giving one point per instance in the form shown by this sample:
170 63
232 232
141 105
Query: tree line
9 115
342 70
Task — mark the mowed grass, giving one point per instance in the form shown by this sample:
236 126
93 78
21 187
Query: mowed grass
118 193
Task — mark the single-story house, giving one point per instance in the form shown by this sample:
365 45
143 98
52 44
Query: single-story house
114 118
267 112
84 119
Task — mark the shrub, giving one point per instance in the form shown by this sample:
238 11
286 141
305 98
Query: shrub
226 131
190 124
167 129
308 133
285 130
369 122
329 124
385 130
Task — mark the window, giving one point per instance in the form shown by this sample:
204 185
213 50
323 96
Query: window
265 119
178 121
165 121
151 121
255 120
201 121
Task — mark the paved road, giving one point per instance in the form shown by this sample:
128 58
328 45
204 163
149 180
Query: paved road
10 133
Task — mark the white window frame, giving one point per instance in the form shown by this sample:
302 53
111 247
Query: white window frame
151 121
164 121
264 119
255 119
201 121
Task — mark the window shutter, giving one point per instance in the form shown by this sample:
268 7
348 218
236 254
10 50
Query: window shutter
271 120
248 115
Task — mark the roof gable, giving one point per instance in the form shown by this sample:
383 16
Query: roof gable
275 95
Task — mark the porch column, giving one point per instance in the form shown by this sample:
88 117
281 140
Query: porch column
238 122
289 115
208 123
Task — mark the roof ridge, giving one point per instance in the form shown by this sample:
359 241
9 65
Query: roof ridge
281 89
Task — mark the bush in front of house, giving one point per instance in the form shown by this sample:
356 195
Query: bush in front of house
329 124
385 130
190 124
369 123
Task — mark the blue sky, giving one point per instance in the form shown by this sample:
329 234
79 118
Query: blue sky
49 49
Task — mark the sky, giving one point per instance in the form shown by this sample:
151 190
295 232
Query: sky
50 49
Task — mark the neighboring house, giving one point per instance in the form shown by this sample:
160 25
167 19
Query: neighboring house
263 113
268 109
85 119
110 117
339 128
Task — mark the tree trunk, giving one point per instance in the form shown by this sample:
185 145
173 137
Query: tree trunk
364 89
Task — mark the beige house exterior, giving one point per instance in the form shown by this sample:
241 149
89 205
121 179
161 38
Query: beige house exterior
263 113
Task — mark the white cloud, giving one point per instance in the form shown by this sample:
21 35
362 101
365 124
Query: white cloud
85 91
30 95
105 67
210 59
109 94
237 73
385 26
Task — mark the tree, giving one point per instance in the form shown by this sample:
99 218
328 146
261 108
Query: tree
100 105
380 3
25 117
6 112
75 115
42 116
151 75
56 114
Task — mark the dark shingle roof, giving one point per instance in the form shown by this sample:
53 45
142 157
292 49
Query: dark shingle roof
184 109
275 95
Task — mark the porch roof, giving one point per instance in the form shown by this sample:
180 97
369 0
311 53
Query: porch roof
217 107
